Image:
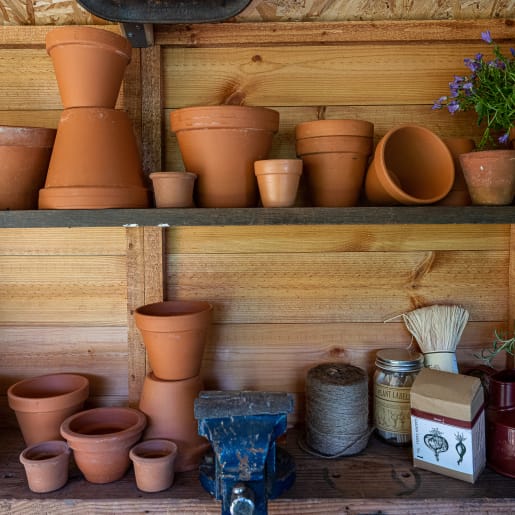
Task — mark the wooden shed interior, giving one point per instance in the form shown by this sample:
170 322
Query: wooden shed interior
291 288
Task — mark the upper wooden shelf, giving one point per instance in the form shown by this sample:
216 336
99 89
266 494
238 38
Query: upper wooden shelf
259 216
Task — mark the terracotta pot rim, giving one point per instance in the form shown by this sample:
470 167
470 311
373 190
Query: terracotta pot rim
59 447
386 179
334 127
278 166
151 376
173 175
67 399
481 154
92 36
224 117
26 136
163 443
75 438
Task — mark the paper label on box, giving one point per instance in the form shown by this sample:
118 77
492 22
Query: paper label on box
449 446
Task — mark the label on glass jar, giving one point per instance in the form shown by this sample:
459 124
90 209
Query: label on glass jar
392 409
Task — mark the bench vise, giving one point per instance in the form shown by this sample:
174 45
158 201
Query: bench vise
245 468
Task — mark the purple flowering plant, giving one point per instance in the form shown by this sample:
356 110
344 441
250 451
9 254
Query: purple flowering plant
488 89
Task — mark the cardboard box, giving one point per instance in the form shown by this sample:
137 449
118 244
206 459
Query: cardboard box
448 424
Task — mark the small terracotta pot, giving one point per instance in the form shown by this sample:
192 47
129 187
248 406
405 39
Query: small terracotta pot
342 127
500 425
411 165
153 462
356 144
278 181
220 144
89 64
24 157
46 465
173 189
174 333
42 403
459 194
490 176
95 162
335 179
169 407
101 439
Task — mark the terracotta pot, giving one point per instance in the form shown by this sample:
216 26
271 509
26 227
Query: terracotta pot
42 403
95 162
169 406
153 462
89 64
459 194
411 165
173 189
278 181
500 425
490 176
174 333
356 144
220 144
46 465
343 127
335 178
101 439
24 157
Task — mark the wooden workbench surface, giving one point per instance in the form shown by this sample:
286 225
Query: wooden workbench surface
380 480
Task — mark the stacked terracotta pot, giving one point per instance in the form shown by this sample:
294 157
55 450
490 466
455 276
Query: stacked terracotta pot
95 162
174 334
335 155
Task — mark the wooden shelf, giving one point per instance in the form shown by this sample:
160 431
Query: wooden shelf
379 480
259 216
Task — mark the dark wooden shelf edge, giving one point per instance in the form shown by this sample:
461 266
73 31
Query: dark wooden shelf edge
259 216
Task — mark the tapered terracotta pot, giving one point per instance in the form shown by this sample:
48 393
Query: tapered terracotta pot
101 439
154 464
335 179
89 64
174 333
341 127
95 162
173 189
169 407
46 465
24 158
220 144
42 403
411 165
278 181
459 194
490 176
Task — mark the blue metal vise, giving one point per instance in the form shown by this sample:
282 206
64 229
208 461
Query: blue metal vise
245 468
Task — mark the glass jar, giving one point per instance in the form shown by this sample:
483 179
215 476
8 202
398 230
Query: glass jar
396 370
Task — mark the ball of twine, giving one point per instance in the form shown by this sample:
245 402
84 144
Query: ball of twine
336 410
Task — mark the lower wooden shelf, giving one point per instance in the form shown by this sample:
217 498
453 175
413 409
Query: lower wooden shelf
379 480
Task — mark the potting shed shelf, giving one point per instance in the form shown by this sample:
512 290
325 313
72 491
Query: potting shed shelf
291 288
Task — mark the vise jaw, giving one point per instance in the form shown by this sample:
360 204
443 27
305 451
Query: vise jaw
245 468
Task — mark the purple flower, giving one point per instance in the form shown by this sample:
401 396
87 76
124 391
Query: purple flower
486 37
504 138
453 106
512 50
438 103
472 65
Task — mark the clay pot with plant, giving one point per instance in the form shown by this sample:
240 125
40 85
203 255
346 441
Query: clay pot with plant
487 89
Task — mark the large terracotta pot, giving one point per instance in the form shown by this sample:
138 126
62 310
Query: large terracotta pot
89 64
169 406
490 176
46 465
174 333
42 403
101 439
24 157
411 165
220 144
95 162
278 181
500 422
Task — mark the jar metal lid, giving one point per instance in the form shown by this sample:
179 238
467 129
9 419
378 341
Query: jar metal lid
399 360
